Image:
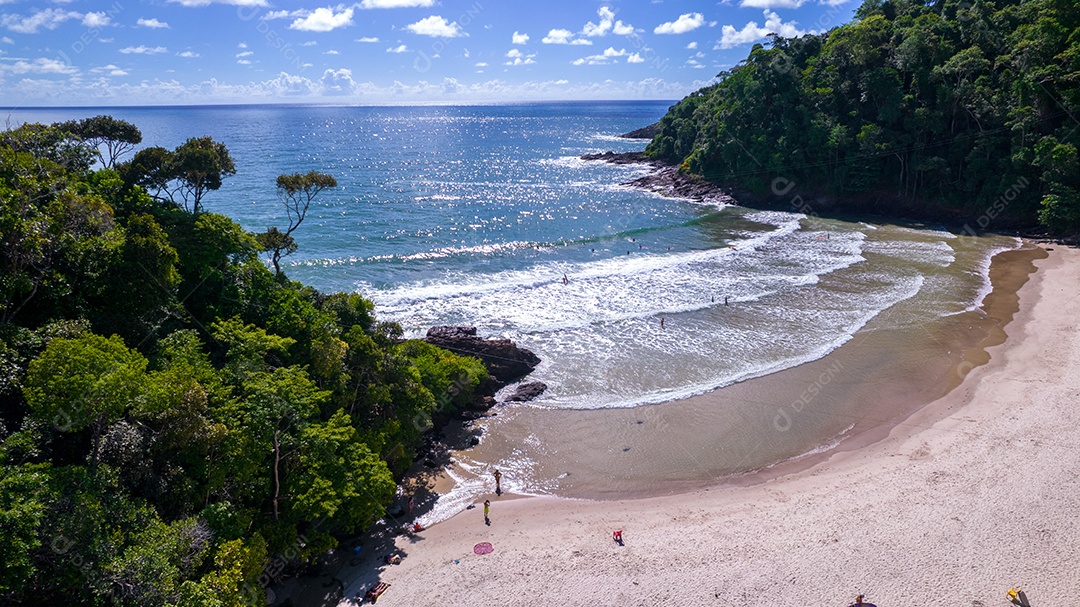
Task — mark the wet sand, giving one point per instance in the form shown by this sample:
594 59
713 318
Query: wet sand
961 500
845 400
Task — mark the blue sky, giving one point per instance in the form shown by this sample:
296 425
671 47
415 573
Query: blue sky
133 52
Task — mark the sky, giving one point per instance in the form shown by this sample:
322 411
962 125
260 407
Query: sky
169 52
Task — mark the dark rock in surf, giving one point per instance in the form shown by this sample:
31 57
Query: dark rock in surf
505 362
620 157
527 391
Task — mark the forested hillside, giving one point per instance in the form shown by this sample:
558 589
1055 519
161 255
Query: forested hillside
961 109
174 414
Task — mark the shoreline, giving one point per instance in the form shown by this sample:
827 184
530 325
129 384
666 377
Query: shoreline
700 441
969 496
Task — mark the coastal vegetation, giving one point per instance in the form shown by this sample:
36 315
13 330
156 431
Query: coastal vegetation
180 424
964 110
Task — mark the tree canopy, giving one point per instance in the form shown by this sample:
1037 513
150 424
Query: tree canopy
174 416
955 109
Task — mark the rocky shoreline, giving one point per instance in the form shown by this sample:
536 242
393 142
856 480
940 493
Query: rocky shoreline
666 179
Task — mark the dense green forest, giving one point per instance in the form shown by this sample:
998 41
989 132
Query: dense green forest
175 414
957 109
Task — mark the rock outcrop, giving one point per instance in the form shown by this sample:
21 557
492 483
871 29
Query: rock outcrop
647 132
527 391
505 362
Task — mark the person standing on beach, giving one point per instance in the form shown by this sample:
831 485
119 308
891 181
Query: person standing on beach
487 509
498 482
661 322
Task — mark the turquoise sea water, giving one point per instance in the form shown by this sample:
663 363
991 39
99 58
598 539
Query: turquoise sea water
473 215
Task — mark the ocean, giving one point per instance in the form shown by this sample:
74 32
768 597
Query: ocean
473 215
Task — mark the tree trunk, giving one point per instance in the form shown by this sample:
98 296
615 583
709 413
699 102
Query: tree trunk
277 477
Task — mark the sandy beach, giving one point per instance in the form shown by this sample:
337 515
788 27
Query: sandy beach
973 494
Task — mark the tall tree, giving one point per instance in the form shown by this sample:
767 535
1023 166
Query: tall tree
183 176
296 192
118 136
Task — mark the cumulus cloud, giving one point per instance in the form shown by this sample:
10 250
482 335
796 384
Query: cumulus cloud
323 19
49 19
332 52
518 58
685 23
480 64
691 46
608 56
367 39
188 54
773 3
152 23
41 65
396 3
436 26
337 82
197 3
751 32
561 36
144 50
401 48
635 58
519 38
607 24
98 19
7 40
245 54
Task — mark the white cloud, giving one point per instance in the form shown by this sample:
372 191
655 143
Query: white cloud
519 58
519 38
243 62
144 50
685 23
833 2
608 56
98 19
772 3
435 26
49 19
41 65
245 54
607 18
7 40
323 19
282 14
607 24
242 45
561 36
694 63
309 43
188 54
635 58
480 64
337 82
112 70
367 39
751 32
396 3
691 46
401 48
195 3
151 23
166 89
332 52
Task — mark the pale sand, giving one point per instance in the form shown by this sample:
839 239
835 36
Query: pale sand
975 493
